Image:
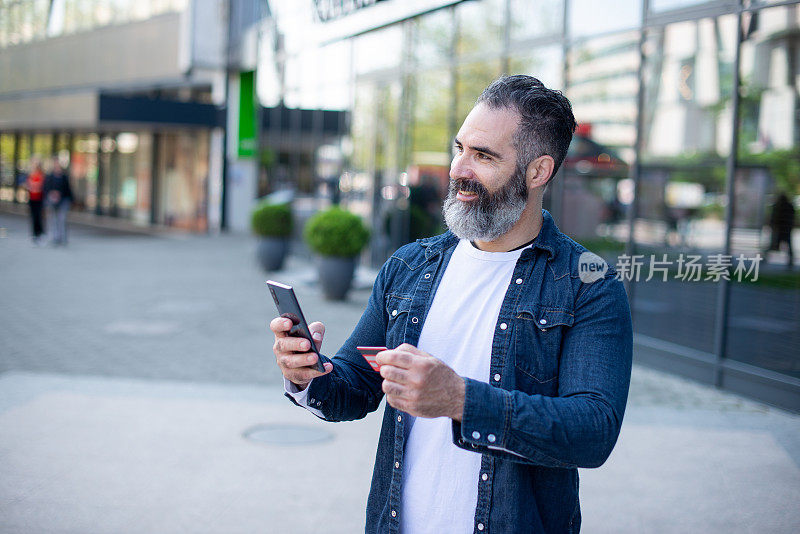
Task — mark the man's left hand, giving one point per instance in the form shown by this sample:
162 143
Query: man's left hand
420 384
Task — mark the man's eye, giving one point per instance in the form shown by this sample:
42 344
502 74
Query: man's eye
481 155
457 149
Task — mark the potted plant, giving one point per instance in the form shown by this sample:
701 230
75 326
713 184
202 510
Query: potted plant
272 223
337 237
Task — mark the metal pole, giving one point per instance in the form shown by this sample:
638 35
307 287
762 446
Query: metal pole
723 291
15 163
155 179
506 58
636 168
453 112
556 184
113 177
102 172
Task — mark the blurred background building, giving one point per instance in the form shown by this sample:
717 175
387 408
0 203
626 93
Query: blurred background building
183 112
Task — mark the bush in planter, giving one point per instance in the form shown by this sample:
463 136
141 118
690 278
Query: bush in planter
272 220
273 224
338 236
336 232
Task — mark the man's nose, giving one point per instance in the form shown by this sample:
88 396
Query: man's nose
460 169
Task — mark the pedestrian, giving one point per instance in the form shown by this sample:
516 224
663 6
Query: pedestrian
781 223
508 367
35 186
59 199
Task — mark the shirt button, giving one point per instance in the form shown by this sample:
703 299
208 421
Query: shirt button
503 326
476 435
542 321
414 320
484 477
399 417
427 276
394 514
518 280
480 526
394 313
397 465
497 377
312 401
491 438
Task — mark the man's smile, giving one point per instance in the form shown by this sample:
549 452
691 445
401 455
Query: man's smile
467 190
466 195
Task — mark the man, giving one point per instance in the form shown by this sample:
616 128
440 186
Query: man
59 199
506 371
35 186
781 223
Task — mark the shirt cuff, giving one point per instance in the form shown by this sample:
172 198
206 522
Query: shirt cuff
301 397
485 420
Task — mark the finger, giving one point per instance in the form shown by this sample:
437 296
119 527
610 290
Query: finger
302 376
393 388
396 358
280 326
297 361
395 374
407 347
317 332
397 403
294 344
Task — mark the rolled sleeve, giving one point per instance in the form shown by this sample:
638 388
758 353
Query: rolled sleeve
487 424
579 427
301 398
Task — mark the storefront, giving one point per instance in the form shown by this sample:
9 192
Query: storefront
147 172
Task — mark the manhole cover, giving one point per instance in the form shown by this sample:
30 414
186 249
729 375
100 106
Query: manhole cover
287 434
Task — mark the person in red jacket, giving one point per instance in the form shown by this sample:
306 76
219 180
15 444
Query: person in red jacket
35 187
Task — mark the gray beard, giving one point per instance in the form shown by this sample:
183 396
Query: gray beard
491 215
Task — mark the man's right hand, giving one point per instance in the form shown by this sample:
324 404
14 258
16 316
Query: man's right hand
294 355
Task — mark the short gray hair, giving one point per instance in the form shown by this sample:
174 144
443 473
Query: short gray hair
546 122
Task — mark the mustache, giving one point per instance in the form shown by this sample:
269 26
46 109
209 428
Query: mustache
473 186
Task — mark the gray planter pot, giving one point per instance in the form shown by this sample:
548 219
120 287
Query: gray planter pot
335 276
271 252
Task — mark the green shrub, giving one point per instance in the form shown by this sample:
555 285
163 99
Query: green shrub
336 232
272 220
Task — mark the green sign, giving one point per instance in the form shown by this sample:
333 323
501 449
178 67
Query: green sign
247 115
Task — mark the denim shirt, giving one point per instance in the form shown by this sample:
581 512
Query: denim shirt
554 399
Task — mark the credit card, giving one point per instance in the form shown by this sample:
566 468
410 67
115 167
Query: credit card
369 354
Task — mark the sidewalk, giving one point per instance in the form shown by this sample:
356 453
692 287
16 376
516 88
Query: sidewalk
132 368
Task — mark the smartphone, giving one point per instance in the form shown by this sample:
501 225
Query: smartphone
288 307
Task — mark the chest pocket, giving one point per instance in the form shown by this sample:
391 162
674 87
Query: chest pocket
539 330
397 307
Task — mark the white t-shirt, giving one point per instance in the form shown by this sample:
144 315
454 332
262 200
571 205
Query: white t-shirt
440 480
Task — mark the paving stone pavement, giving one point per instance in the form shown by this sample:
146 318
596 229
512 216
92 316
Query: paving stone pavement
131 366
173 307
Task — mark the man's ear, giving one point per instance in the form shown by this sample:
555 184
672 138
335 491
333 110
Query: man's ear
540 171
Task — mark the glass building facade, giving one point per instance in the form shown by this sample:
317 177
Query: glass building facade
688 134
